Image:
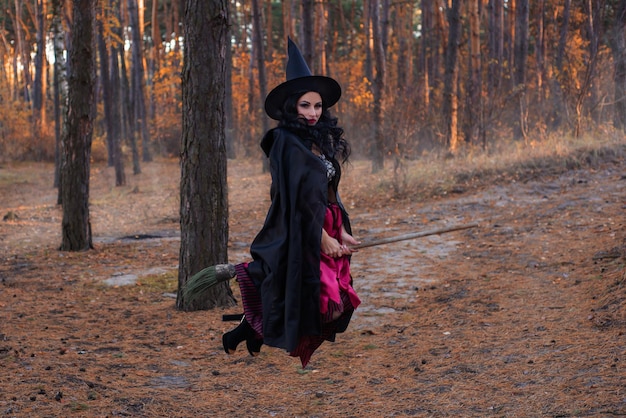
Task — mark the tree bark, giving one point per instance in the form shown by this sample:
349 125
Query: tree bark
474 106
105 88
559 107
450 99
76 224
307 46
404 16
617 41
39 85
115 94
496 44
378 149
138 81
228 104
260 57
521 53
57 78
203 186
116 117
426 48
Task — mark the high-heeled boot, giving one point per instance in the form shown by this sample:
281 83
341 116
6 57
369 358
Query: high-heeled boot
254 344
244 331
231 339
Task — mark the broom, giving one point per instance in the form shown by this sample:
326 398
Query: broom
206 279
210 276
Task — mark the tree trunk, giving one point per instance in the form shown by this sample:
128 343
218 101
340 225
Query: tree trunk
116 117
404 16
450 99
40 71
76 224
617 41
496 45
228 104
318 63
288 20
128 114
138 81
367 33
260 57
22 56
269 24
378 149
559 107
540 51
426 48
155 62
307 46
57 70
521 53
474 110
106 88
203 187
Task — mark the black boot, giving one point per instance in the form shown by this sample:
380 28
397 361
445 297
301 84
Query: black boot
254 344
244 331
231 339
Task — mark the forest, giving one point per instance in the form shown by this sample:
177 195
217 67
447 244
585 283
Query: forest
507 117
417 76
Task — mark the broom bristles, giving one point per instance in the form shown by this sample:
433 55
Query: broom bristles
205 279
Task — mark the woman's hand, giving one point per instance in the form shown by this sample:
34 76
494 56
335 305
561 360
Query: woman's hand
333 248
348 240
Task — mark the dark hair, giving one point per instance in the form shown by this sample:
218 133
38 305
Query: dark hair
325 134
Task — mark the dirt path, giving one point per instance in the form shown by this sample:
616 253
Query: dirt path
523 316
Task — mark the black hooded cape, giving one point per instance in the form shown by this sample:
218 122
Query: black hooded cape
286 252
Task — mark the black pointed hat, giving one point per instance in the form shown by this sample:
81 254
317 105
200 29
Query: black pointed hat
299 78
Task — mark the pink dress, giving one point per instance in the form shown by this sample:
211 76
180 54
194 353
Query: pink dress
335 277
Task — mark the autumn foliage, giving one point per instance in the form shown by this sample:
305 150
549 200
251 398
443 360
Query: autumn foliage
524 70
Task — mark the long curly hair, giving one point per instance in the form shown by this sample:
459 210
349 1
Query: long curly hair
325 134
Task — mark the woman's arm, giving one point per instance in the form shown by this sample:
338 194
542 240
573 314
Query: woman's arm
333 248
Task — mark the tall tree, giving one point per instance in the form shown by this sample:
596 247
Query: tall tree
617 41
496 44
306 27
260 58
138 81
425 50
58 77
378 148
450 98
474 104
110 81
559 107
128 126
39 86
586 90
203 187
103 54
76 224
228 103
521 52
116 117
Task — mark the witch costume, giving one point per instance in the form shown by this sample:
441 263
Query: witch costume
294 296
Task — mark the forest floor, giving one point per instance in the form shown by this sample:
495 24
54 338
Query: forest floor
522 316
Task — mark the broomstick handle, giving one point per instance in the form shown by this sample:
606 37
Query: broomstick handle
413 236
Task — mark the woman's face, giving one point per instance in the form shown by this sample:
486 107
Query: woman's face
309 107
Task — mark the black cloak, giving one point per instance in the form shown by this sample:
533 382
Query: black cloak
286 252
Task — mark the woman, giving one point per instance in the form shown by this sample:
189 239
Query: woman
298 290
